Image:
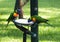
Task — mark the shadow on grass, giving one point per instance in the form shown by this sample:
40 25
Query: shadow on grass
49 3
10 31
3 19
15 33
50 36
4 13
55 21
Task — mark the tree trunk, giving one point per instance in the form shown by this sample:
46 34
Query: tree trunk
18 5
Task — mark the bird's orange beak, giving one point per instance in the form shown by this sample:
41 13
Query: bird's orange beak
33 19
15 15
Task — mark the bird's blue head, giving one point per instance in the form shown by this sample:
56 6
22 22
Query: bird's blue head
29 20
18 11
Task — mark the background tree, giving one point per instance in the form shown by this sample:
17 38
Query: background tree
19 5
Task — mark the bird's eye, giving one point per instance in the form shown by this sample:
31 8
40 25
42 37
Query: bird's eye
15 15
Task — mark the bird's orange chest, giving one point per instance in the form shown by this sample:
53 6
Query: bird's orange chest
15 15
34 19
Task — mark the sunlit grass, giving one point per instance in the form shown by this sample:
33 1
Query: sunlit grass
7 39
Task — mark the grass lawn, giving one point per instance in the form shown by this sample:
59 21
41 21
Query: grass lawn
49 9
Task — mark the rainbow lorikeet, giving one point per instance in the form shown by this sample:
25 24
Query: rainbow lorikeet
12 17
38 19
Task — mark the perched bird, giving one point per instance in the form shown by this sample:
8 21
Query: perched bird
12 17
38 19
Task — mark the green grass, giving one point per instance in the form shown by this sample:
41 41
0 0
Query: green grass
49 9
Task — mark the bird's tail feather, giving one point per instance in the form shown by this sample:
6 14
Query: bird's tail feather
7 24
50 25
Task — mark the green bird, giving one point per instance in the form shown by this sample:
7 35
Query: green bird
38 19
12 17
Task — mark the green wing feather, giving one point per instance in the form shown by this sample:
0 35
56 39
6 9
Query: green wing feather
39 19
10 18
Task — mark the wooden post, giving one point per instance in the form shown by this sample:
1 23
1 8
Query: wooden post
34 11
